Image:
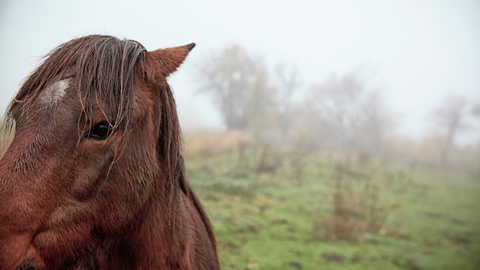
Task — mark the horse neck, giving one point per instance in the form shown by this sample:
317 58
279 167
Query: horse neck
149 241
153 237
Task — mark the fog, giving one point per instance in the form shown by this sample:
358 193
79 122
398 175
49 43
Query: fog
416 54
318 134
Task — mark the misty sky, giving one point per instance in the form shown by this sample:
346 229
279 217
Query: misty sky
418 53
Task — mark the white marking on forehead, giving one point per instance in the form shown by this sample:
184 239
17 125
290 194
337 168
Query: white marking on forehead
54 93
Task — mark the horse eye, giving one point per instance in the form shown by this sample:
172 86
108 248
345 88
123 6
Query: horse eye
101 131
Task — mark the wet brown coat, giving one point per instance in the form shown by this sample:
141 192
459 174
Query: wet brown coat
68 201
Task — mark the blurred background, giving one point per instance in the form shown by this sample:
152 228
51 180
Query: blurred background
318 134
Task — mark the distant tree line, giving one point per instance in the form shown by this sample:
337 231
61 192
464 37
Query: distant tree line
339 114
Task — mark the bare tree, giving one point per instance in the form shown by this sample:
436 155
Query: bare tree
476 110
288 83
450 117
336 105
239 86
346 112
377 120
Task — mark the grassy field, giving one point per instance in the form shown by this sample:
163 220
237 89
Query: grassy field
284 209
7 132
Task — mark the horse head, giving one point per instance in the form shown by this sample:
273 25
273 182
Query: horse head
94 177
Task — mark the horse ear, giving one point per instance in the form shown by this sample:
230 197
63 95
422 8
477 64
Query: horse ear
160 63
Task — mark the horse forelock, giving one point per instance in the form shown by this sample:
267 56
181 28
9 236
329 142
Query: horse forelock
102 68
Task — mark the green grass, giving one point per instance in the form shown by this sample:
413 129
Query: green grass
266 221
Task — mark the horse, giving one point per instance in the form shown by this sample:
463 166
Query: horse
94 177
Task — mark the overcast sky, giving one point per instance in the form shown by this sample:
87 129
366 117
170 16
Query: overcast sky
418 53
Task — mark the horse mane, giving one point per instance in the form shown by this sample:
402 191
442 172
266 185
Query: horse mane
104 68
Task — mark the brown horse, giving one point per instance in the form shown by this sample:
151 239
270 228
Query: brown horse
94 177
